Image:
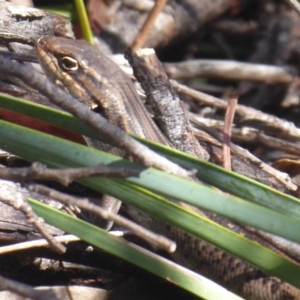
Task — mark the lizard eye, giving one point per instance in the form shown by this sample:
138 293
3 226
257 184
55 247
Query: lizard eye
69 64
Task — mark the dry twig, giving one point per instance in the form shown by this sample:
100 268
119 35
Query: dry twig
227 130
280 126
230 70
38 171
149 22
167 106
17 201
157 241
26 290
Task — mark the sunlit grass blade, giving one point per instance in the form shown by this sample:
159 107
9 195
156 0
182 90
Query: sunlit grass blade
147 260
231 182
76 12
84 21
60 153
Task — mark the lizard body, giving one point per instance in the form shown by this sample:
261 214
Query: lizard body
95 80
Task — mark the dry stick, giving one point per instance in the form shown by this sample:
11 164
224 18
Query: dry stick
295 5
25 290
68 238
283 177
38 171
139 5
282 127
227 130
37 243
111 132
272 142
158 242
166 104
230 70
148 24
234 27
246 134
25 24
17 201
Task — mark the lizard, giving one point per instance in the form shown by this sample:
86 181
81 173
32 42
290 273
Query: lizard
94 79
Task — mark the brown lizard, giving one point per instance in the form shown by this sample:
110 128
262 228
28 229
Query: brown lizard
94 79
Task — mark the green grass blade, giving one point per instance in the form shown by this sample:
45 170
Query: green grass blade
231 182
59 153
161 267
84 21
50 149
